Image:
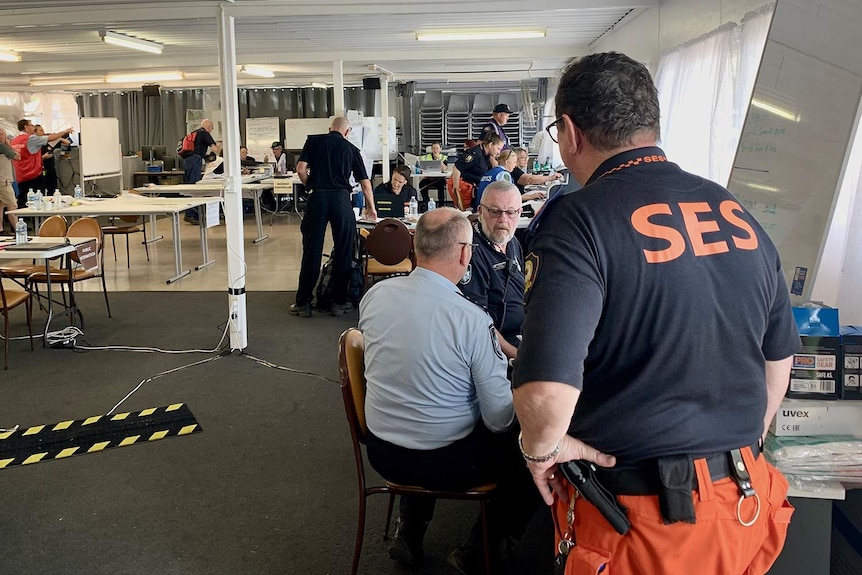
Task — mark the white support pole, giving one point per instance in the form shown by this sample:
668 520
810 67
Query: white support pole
232 183
338 88
384 137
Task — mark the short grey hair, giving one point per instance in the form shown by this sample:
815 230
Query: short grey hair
501 186
438 231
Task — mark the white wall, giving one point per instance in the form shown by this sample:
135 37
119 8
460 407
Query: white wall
658 30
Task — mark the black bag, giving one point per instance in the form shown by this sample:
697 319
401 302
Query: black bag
323 291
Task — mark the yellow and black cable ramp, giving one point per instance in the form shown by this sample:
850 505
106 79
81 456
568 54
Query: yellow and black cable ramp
40 443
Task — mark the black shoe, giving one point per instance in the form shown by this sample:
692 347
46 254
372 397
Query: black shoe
469 557
191 220
300 310
406 546
339 309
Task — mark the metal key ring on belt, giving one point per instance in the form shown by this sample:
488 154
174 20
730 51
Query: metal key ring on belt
756 512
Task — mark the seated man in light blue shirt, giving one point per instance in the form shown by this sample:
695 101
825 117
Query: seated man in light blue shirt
438 404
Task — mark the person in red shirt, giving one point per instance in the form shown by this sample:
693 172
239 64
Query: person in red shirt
28 168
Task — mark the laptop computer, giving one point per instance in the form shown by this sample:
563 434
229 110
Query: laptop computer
389 206
430 165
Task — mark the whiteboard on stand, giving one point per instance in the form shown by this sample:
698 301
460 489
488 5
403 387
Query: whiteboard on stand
260 133
372 137
297 130
100 147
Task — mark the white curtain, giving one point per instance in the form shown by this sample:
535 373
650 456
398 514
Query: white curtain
704 89
55 111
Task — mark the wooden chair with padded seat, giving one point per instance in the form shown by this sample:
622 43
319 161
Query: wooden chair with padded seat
127 226
81 228
351 366
388 246
53 227
11 299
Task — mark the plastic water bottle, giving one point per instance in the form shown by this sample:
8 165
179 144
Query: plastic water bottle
58 200
416 168
31 199
79 193
21 231
431 204
37 203
414 207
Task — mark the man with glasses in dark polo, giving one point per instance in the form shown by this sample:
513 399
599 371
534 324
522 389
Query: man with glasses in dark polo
495 277
658 340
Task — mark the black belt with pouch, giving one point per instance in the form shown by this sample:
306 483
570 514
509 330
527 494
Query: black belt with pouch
672 479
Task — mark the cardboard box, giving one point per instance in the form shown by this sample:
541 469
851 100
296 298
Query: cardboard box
851 344
816 372
817 417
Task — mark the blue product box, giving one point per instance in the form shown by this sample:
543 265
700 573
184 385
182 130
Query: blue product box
816 372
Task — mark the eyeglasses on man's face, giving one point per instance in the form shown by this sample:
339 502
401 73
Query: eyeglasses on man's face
472 245
496 212
553 129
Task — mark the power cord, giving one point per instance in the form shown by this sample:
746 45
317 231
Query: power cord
271 365
164 373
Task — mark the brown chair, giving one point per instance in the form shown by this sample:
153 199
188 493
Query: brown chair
11 299
351 366
388 246
82 228
127 226
53 227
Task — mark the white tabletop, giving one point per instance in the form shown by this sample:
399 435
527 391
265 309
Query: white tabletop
39 245
124 205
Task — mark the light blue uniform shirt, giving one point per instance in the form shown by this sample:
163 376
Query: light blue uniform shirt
432 363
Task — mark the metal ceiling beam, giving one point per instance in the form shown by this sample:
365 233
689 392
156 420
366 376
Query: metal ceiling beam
108 14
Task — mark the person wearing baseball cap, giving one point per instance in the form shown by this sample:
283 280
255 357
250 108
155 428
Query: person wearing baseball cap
495 125
279 159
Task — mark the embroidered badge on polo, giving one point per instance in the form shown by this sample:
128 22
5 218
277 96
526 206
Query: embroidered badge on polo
494 342
468 275
468 158
531 270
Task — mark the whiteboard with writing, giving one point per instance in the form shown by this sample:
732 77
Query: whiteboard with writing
297 130
100 147
789 161
260 133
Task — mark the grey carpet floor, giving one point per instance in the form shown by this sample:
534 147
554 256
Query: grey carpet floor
269 487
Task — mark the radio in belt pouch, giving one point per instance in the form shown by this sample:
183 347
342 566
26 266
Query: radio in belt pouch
582 475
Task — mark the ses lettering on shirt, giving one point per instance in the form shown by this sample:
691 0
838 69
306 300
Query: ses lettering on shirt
695 229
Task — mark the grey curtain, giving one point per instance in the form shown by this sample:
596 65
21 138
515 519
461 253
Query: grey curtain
162 120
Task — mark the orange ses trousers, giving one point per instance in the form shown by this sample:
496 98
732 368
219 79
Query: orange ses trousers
717 544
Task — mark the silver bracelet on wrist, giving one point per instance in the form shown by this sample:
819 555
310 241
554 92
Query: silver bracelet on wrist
539 459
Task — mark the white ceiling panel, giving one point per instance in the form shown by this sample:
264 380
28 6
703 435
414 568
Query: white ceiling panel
299 40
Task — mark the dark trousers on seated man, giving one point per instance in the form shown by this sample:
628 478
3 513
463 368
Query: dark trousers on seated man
481 457
322 207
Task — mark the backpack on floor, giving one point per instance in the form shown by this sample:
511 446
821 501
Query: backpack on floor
323 291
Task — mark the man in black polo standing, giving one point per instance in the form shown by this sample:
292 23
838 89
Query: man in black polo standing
325 165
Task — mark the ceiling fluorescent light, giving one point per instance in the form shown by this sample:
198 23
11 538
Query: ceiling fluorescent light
318 85
258 71
479 35
152 77
772 109
116 39
9 56
65 81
